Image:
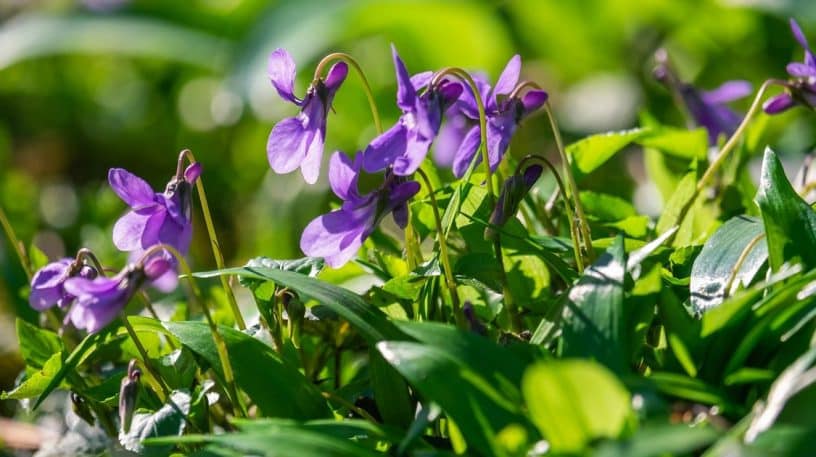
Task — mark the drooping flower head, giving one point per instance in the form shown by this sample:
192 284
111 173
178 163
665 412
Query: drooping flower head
154 218
100 300
338 235
298 141
801 90
708 109
510 197
404 146
48 283
505 108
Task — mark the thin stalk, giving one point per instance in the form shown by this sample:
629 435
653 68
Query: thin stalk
724 152
220 345
353 62
85 253
740 260
443 251
464 76
579 261
581 219
350 406
145 359
18 247
216 247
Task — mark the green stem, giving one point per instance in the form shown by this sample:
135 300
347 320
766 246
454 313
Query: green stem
18 247
145 359
581 220
740 260
443 251
216 247
732 142
220 344
353 62
579 261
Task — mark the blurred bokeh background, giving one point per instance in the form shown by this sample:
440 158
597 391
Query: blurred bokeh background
94 84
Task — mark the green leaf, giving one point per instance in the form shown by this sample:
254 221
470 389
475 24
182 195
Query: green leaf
682 143
279 441
37 345
390 391
790 223
167 421
177 368
372 323
276 388
715 264
605 207
573 402
479 408
593 151
37 258
38 382
595 317
661 440
85 347
683 193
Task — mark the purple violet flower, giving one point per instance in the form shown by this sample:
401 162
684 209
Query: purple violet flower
338 235
100 300
48 283
802 89
462 134
298 141
154 218
405 145
708 109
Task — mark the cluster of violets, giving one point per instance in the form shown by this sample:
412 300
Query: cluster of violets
155 219
435 108
425 100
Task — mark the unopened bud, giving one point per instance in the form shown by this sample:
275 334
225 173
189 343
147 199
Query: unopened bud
128 395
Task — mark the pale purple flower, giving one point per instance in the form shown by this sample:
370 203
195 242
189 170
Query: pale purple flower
338 235
47 285
404 146
154 218
707 109
462 134
100 300
801 90
298 141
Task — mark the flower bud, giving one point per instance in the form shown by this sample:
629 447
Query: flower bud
512 192
128 395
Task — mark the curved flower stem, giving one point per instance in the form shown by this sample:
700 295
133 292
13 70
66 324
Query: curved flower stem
724 152
216 247
18 247
443 251
353 62
220 345
464 76
740 260
579 261
581 220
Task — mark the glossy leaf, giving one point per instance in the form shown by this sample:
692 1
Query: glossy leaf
715 266
790 223
368 320
593 151
595 315
276 388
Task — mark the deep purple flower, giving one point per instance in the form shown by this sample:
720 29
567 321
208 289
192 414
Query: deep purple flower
298 141
801 89
338 235
504 113
100 300
510 197
405 145
154 218
708 109
47 285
